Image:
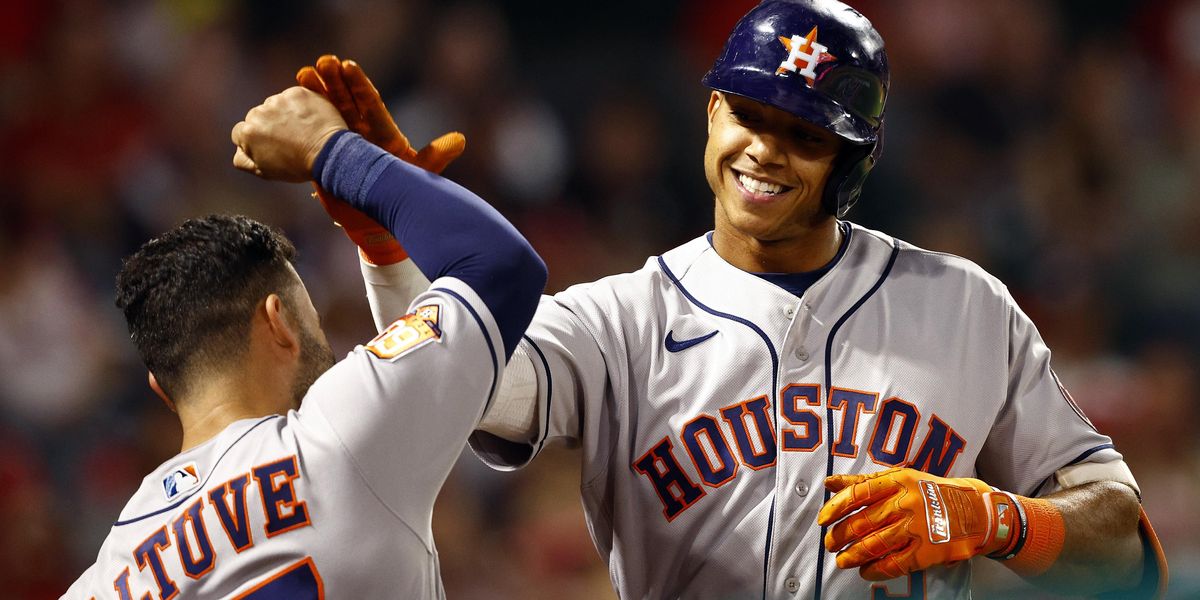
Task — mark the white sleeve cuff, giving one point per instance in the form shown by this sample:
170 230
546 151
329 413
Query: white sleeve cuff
513 413
391 289
1087 472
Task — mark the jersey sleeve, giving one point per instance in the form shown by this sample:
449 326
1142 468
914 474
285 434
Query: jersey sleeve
570 373
402 405
1040 428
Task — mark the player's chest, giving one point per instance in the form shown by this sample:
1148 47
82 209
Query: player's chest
722 399
694 360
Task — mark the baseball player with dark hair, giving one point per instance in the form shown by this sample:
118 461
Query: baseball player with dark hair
298 477
795 406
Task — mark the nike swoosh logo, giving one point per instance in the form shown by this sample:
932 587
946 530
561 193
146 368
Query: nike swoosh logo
674 345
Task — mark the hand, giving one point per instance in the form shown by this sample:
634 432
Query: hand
281 138
350 90
911 520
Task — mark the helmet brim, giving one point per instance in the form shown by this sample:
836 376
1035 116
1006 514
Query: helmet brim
798 100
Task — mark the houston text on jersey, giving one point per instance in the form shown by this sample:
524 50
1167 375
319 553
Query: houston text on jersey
711 451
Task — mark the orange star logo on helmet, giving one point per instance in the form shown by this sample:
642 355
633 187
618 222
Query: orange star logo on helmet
804 54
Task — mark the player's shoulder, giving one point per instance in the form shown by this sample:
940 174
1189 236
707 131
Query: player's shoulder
186 474
931 268
653 278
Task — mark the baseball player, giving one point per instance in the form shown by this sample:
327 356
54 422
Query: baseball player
300 478
794 406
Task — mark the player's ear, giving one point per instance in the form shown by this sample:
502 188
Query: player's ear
283 330
714 102
159 391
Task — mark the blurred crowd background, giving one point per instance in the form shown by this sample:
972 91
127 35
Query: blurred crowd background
1057 144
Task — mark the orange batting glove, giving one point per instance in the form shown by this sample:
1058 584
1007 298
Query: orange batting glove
350 90
911 520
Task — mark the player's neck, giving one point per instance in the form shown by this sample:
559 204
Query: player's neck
807 251
226 399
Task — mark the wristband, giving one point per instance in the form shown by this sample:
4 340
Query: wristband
1040 539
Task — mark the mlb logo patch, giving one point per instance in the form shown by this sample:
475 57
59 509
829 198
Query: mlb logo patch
182 479
408 333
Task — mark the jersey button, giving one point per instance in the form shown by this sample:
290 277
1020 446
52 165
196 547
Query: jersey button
801 489
802 354
792 584
790 311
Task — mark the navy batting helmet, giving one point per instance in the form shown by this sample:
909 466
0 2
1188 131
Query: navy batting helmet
819 60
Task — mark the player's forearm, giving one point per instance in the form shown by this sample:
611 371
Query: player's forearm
1101 550
446 229
391 288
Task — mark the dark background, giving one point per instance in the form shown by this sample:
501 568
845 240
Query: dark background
1054 143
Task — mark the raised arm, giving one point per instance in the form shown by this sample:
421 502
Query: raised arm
447 230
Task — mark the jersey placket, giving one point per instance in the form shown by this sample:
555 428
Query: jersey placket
800 462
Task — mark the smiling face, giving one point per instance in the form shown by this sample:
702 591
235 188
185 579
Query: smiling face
767 169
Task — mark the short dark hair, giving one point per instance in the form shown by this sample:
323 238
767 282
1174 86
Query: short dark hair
189 294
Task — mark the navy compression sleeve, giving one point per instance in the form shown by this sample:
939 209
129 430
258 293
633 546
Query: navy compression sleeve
446 229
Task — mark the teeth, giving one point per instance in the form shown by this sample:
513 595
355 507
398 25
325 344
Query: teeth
759 187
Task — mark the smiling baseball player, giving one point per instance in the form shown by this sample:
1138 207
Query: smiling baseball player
283 490
794 406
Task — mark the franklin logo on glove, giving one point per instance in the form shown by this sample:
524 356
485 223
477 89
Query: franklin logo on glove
939 523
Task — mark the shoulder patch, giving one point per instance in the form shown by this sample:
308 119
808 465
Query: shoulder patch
408 333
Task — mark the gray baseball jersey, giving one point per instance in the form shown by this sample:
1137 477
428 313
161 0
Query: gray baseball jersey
711 404
334 500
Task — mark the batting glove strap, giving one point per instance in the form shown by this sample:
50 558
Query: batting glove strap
1002 503
1040 539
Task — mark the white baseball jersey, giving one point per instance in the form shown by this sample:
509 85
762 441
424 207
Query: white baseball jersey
332 501
710 405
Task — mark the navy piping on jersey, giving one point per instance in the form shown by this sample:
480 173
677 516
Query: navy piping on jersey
662 264
1078 459
767 552
549 396
200 487
798 283
486 337
829 409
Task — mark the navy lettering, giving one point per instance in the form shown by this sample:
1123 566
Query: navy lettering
713 475
793 397
852 403
194 566
121 584
284 512
764 432
894 424
891 410
916 588
941 446
672 485
148 554
229 500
